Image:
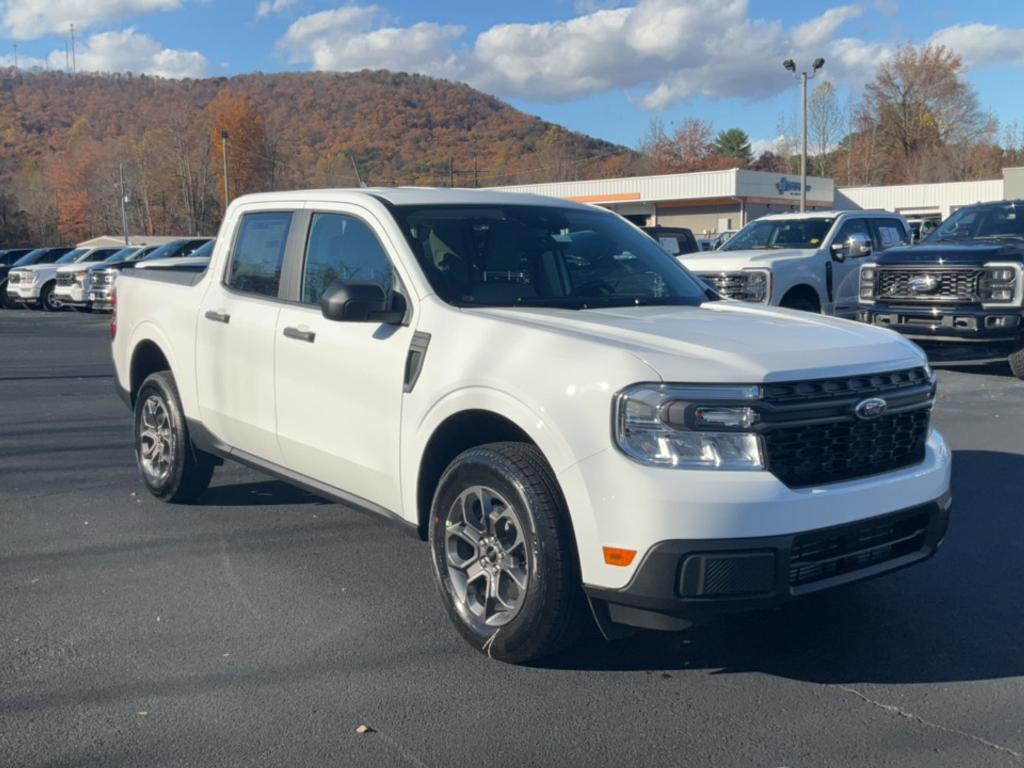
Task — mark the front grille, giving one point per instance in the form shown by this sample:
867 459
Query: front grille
832 552
14 278
830 453
66 279
812 435
952 284
730 285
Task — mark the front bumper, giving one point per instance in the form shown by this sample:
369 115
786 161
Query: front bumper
99 298
682 581
23 292
72 295
962 324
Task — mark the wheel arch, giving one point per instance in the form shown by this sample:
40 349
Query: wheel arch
802 290
147 358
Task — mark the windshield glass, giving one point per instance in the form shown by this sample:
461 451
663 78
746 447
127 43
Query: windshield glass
123 255
30 257
542 256
204 251
165 251
72 256
988 222
780 233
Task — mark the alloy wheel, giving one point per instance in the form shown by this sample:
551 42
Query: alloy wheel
156 440
487 557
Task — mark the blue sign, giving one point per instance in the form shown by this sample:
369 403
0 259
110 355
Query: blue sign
786 186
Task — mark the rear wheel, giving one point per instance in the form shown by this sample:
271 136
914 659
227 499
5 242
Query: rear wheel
503 554
172 468
1016 361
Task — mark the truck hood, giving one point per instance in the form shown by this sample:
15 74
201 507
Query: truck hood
727 341
724 261
963 253
78 266
36 268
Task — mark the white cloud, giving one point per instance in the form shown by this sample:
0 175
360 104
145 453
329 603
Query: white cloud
984 45
27 19
347 39
129 51
24 62
672 51
267 7
820 30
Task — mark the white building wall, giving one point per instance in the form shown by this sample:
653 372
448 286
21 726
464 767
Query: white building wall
671 186
920 199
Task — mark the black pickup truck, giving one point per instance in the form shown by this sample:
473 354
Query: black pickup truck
962 286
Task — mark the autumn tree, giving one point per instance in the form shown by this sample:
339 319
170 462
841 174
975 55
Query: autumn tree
250 160
924 114
688 147
826 121
734 143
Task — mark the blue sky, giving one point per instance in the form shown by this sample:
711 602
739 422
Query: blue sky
604 67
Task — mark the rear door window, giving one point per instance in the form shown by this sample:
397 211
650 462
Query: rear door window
891 232
258 254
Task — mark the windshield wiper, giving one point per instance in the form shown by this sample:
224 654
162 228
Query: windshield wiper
1000 237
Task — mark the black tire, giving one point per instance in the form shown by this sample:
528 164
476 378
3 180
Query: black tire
552 610
1016 361
47 301
188 470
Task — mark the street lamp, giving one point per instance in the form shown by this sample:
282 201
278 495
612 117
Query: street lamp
803 77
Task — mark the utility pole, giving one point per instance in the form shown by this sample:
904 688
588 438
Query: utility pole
451 171
803 77
15 55
67 57
355 168
476 173
224 148
124 205
74 65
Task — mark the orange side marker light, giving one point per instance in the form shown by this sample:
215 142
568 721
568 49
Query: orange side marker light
617 556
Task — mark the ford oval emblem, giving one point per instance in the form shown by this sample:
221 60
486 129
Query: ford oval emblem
871 408
923 283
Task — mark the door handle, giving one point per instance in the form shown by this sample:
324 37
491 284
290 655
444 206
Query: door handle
295 333
218 317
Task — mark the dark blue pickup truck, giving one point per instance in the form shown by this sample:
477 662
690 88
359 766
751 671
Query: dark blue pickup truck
963 285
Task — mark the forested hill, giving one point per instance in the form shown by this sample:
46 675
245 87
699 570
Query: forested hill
288 130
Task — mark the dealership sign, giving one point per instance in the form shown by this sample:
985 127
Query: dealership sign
787 187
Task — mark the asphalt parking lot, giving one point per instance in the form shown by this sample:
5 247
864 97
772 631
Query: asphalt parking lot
262 626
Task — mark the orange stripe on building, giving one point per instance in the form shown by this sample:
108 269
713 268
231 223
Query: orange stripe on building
605 198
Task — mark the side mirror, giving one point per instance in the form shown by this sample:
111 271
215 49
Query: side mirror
856 246
361 302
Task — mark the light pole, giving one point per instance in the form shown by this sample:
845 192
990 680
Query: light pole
803 77
224 148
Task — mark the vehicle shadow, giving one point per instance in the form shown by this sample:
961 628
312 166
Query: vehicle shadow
955 618
257 493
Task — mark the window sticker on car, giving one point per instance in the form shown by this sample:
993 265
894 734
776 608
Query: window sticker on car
889 235
670 244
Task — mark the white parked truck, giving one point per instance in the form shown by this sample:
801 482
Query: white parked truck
805 261
580 428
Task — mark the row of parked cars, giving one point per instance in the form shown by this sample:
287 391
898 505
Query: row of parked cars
957 290
52 279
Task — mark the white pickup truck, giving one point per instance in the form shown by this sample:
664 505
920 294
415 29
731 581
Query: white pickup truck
807 261
580 428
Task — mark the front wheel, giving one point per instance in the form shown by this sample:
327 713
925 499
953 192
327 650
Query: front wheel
47 300
172 468
503 553
1016 361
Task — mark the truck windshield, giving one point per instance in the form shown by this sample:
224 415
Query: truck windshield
122 255
542 256
72 256
985 222
780 233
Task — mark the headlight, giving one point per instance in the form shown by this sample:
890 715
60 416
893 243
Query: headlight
745 285
867 282
998 284
28 277
688 427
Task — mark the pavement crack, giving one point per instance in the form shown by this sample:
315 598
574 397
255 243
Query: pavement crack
233 580
900 712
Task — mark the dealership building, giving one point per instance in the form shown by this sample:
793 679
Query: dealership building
709 202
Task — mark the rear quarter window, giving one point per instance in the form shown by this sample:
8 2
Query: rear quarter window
258 253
